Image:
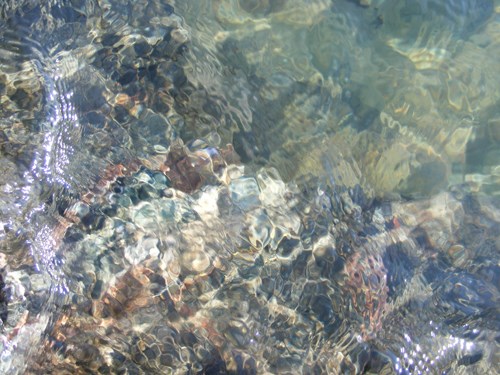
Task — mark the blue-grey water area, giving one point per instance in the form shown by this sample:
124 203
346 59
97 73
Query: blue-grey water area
250 187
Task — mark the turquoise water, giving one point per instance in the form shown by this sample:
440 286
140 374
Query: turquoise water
249 186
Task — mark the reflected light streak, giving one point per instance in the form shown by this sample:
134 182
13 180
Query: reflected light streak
59 138
417 361
52 167
47 258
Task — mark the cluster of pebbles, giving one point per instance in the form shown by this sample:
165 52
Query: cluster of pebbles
73 102
242 273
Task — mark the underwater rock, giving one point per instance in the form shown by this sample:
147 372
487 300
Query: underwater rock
231 268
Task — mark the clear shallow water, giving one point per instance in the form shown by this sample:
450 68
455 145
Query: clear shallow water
371 246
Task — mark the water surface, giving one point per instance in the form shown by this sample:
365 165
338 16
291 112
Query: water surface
249 186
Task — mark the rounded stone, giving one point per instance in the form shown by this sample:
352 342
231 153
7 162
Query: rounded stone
196 261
